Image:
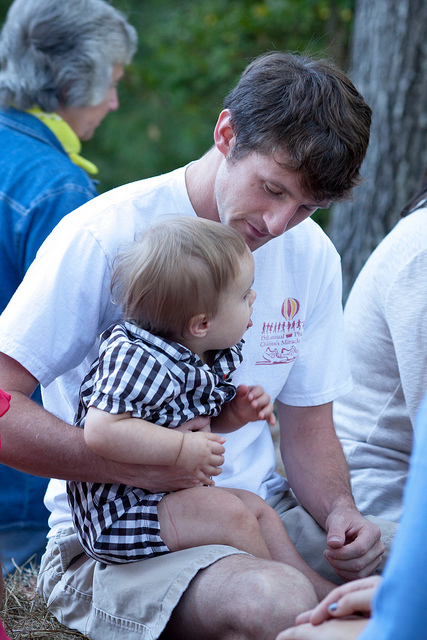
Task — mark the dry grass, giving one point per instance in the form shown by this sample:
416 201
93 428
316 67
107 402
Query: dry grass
24 614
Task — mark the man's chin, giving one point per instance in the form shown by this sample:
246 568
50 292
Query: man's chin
256 243
254 238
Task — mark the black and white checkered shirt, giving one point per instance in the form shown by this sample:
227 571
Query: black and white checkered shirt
157 380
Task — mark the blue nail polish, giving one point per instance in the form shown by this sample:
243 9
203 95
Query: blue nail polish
333 606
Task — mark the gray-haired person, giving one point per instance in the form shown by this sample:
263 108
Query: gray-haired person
60 63
291 138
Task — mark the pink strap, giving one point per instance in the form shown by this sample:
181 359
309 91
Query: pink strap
3 635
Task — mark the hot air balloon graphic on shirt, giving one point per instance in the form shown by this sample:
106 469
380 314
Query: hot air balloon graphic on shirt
282 349
290 307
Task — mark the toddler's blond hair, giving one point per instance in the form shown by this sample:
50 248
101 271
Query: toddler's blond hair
177 269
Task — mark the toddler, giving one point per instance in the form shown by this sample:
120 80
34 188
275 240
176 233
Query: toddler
186 292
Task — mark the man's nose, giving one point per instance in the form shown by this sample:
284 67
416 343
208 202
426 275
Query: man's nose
277 220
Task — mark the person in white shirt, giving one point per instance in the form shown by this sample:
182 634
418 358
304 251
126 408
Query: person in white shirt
291 138
386 329
393 606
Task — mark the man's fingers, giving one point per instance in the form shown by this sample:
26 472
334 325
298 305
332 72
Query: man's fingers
361 552
205 479
335 539
352 570
356 575
355 550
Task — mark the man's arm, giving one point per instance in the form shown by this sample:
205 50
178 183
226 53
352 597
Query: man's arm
123 438
317 472
37 442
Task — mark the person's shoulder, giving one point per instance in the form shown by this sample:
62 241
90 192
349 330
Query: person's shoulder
310 231
20 129
116 217
111 221
34 159
132 194
119 344
407 241
125 337
131 349
412 227
307 241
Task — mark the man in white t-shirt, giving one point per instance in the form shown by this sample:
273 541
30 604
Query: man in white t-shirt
291 138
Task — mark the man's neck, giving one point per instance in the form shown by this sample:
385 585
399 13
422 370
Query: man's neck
200 182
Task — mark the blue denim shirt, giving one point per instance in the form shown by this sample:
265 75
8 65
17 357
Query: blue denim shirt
39 185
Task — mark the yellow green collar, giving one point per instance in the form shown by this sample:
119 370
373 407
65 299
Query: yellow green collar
66 137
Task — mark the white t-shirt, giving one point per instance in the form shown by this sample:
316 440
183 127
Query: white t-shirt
295 348
386 331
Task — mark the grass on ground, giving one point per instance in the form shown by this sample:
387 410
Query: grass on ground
25 615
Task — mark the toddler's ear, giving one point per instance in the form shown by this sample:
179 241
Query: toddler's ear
198 326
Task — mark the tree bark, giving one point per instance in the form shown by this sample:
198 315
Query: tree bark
389 68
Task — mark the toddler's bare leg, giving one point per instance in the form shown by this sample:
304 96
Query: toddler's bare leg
206 515
278 542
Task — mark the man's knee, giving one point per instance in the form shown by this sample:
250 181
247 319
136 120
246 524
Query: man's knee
241 597
274 595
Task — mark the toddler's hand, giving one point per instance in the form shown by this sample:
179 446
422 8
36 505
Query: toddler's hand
253 403
202 454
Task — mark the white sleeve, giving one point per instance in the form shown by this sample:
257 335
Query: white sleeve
62 305
321 371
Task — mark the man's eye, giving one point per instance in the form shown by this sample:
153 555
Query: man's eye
272 191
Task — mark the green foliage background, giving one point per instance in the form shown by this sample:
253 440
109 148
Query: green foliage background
190 54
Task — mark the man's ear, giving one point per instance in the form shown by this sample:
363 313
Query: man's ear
198 326
223 134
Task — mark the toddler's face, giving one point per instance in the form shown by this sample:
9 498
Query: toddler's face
235 308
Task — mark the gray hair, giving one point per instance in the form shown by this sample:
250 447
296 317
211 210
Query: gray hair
61 53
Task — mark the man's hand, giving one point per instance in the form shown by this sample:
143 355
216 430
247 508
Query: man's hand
199 423
355 547
153 478
317 471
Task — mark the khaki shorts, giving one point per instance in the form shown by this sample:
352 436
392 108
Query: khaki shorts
119 602
135 601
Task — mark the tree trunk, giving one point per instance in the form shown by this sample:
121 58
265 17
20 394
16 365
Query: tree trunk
389 68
